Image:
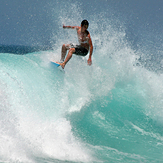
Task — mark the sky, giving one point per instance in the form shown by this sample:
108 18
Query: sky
32 22
24 22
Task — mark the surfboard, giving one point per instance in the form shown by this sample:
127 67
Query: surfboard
56 65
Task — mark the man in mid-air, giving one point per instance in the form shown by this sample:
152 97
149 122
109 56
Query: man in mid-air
85 44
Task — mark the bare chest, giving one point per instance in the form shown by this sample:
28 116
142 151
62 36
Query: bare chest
82 37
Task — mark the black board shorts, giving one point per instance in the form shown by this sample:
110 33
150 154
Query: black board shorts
79 50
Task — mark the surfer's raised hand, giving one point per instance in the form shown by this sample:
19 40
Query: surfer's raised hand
89 61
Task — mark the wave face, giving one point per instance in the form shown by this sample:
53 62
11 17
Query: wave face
111 111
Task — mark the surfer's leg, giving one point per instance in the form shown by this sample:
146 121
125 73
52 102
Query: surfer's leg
65 47
69 55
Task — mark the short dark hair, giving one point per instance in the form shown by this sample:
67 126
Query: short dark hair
84 22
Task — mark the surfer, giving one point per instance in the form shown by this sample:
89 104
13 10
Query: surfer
85 44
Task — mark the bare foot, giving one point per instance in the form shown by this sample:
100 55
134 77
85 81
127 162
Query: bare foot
61 64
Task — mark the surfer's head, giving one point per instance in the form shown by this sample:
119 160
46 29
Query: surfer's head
84 23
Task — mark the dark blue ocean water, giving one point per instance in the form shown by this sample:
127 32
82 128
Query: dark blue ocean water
109 112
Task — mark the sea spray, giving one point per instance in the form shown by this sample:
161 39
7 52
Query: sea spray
108 112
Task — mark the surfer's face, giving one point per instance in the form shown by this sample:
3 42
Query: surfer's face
85 27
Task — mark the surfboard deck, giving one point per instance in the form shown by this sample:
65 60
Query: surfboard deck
55 64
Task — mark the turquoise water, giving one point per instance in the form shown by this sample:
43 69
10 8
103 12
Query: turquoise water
110 112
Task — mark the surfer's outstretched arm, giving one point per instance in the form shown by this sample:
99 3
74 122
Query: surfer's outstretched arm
72 27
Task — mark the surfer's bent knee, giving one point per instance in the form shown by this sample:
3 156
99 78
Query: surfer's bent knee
72 50
65 46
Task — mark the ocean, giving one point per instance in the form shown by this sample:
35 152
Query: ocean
109 112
